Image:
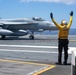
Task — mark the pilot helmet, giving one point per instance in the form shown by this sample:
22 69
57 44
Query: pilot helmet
63 22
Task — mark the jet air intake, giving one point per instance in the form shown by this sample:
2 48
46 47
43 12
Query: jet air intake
5 32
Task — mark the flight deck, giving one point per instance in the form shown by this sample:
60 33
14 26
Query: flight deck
21 56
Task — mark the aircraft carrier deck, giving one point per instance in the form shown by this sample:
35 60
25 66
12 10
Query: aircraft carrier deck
21 56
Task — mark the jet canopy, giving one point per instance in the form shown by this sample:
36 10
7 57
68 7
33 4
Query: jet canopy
37 19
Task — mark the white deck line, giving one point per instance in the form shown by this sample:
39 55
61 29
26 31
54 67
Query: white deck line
34 51
33 46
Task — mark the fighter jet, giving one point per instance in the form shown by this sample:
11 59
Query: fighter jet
24 26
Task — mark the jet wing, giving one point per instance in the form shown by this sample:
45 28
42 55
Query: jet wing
1 24
17 23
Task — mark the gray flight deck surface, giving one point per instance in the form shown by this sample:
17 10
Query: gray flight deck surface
21 56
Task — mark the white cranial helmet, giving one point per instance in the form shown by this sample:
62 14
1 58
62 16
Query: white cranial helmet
64 22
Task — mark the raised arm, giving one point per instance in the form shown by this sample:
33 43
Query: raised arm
71 18
58 25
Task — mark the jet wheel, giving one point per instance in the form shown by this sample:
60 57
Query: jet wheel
31 37
3 36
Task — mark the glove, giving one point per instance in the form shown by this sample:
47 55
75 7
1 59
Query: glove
71 14
51 15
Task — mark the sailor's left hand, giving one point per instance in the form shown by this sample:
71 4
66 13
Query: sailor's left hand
51 15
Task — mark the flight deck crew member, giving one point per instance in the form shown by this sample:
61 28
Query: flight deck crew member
63 38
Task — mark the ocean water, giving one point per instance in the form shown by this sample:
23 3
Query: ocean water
71 32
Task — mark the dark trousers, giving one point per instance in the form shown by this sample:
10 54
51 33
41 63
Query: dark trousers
63 43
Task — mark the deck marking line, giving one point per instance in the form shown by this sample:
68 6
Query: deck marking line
30 51
32 46
34 51
35 72
44 70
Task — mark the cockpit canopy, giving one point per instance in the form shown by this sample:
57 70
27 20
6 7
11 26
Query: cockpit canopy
37 19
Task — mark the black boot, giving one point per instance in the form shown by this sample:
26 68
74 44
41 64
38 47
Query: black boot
64 63
58 63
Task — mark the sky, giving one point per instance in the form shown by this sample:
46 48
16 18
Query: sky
39 8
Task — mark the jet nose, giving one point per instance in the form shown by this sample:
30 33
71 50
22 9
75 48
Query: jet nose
52 26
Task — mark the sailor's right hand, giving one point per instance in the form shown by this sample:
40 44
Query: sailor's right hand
51 15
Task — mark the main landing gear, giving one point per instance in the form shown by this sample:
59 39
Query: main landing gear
3 37
31 37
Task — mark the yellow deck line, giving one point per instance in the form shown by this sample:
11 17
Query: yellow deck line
23 62
41 71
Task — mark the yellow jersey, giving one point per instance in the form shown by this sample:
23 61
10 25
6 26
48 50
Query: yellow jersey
63 30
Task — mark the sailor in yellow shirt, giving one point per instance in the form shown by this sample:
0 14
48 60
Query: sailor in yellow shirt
63 38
